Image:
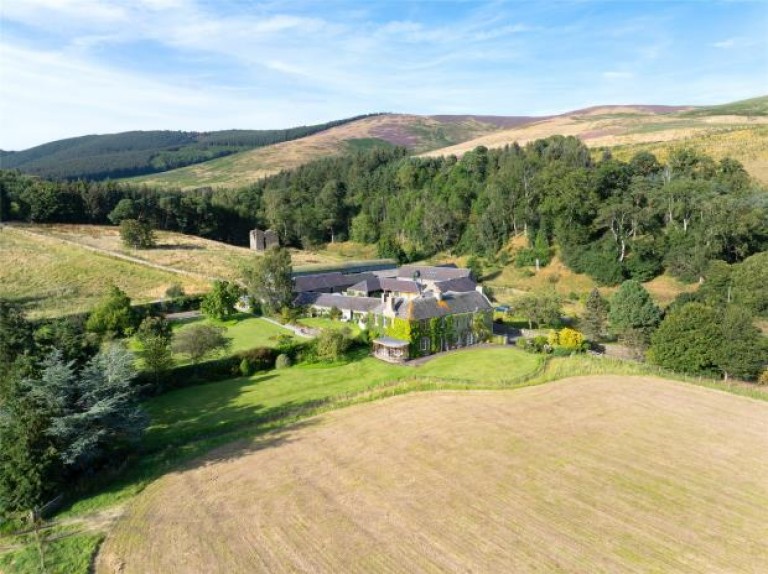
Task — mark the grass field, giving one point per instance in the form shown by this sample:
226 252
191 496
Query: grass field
186 253
590 474
51 278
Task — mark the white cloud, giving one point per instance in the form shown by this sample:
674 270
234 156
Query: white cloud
725 44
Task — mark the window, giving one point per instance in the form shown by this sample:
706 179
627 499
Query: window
425 343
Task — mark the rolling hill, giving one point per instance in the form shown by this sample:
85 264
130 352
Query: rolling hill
417 133
139 152
739 129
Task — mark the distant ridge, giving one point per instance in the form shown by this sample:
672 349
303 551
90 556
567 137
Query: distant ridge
134 153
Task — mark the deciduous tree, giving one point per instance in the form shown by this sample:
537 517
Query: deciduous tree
269 279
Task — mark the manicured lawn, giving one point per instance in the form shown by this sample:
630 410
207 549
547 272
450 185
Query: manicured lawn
245 331
326 323
182 415
489 365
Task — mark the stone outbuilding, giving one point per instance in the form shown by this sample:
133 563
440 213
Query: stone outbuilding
263 240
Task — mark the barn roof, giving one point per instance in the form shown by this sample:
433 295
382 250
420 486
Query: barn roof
432 273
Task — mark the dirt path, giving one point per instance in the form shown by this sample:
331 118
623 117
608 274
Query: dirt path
108 253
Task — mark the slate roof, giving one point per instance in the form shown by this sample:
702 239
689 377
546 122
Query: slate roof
458 285
342 302
450 304
385 284
332 280
432 273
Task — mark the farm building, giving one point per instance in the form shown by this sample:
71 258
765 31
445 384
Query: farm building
262 240
421 310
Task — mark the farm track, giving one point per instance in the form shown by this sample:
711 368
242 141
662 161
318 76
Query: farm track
108 253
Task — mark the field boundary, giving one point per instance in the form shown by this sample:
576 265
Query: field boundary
27 231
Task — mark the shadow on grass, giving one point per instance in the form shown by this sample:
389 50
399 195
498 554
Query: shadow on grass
223 432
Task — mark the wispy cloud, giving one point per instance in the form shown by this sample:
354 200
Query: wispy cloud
71 66
616 75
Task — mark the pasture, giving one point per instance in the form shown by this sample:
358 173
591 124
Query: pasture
588 474
51 278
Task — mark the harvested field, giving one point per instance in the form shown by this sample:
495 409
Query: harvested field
590 474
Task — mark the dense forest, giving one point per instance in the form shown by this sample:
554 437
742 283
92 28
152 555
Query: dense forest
613 220
98 157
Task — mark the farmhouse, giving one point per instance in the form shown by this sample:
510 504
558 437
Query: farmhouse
418 310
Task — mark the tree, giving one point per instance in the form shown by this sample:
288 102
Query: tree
269 279
113 315
750 283
125 209
595 315
540 308
27 455
475 267
68 336
155 336
137 234
220 302
633 315
198 341
16 333
742 350
687 339
101 417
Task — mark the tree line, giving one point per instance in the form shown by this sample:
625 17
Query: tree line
613 220
126 154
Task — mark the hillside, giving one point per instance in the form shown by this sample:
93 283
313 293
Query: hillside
417 133
738 129
58 269
139 152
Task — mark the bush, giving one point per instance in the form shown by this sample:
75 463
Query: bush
332 344
175 291
245 368
283 361
334 314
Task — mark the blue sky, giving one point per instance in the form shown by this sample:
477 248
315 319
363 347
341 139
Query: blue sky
74 67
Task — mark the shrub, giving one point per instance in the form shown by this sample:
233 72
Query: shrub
198 341
245 368
137 234
334 313
283 361
175 291
113 315
571 339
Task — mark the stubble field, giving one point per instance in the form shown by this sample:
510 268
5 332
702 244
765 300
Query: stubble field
590 474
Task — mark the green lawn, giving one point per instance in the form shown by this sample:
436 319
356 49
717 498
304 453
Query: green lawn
482 365
326 323
245 331
183 415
